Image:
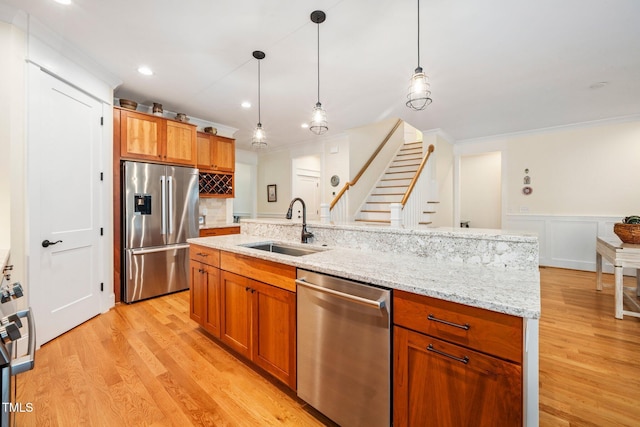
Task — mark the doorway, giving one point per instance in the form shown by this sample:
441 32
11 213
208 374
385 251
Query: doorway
65 204
306 185
481 190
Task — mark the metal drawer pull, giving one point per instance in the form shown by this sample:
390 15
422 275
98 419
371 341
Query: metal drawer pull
464 359
353 298
455 325
202 254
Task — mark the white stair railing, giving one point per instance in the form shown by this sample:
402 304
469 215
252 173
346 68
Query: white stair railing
416 199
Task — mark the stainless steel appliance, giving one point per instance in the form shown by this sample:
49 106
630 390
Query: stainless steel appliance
344 349
16 328
160 212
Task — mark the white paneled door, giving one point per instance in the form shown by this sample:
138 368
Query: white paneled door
63 184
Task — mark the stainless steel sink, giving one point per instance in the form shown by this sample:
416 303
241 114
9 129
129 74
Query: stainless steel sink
284 249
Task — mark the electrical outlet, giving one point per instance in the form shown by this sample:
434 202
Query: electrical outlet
524 209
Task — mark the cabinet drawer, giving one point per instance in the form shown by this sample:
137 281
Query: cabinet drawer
483 330
205 255
276 274
219 231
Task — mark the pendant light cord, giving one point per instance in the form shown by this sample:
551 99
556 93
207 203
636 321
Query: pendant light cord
259 121
418 33
318 25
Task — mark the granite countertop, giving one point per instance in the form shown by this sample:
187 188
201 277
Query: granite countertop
515 292
466 233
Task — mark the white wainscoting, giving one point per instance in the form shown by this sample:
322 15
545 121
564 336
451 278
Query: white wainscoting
567 241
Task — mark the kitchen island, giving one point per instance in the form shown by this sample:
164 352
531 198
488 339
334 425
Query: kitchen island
473 273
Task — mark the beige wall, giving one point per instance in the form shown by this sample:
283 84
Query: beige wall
591 170
12 145
363 141
336 162
274 168
443 171
481 190
5 136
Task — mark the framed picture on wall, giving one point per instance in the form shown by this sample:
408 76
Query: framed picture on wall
272 195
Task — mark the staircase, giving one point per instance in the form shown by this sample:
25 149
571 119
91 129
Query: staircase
392 186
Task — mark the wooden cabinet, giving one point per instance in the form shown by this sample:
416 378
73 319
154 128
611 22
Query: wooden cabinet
255 318
236 313
181 143
219 231
141 136
147 137
205 288
258 321
216 160
216 153
455 365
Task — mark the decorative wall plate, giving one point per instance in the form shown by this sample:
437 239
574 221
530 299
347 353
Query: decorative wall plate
527 190
335 180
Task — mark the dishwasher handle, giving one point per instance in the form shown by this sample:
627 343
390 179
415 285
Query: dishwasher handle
349 297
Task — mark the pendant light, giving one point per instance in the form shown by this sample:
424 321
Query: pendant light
318 123
259 139
419 96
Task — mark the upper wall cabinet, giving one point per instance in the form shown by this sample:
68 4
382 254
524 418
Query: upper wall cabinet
216 153
147 137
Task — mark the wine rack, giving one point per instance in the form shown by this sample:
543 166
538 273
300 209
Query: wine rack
216 184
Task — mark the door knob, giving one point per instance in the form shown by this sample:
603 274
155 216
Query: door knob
46 243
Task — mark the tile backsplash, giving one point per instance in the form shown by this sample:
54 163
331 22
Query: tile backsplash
216 210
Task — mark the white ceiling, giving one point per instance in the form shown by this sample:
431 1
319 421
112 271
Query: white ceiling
496 66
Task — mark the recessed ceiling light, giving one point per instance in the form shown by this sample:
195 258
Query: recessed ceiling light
246 104
145 70
304 125
598 85
65 2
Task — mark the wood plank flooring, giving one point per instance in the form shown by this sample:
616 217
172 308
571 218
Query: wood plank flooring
148 364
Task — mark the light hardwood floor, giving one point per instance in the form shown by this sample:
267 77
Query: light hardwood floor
149 364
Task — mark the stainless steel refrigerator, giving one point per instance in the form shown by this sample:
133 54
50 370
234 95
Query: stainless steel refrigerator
160 212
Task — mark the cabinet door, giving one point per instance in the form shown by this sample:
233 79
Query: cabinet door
274 331
211 320
223 154
141 136
235 307
181 143
198 291
433 389
205 150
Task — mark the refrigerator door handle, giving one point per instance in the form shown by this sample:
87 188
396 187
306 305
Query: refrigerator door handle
170 205
163 204
158 249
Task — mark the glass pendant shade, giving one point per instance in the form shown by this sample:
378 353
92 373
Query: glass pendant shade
259 139
318 123
419 96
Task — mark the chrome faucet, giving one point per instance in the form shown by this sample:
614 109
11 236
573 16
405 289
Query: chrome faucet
306 235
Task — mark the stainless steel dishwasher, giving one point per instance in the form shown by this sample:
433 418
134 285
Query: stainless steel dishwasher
344 349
